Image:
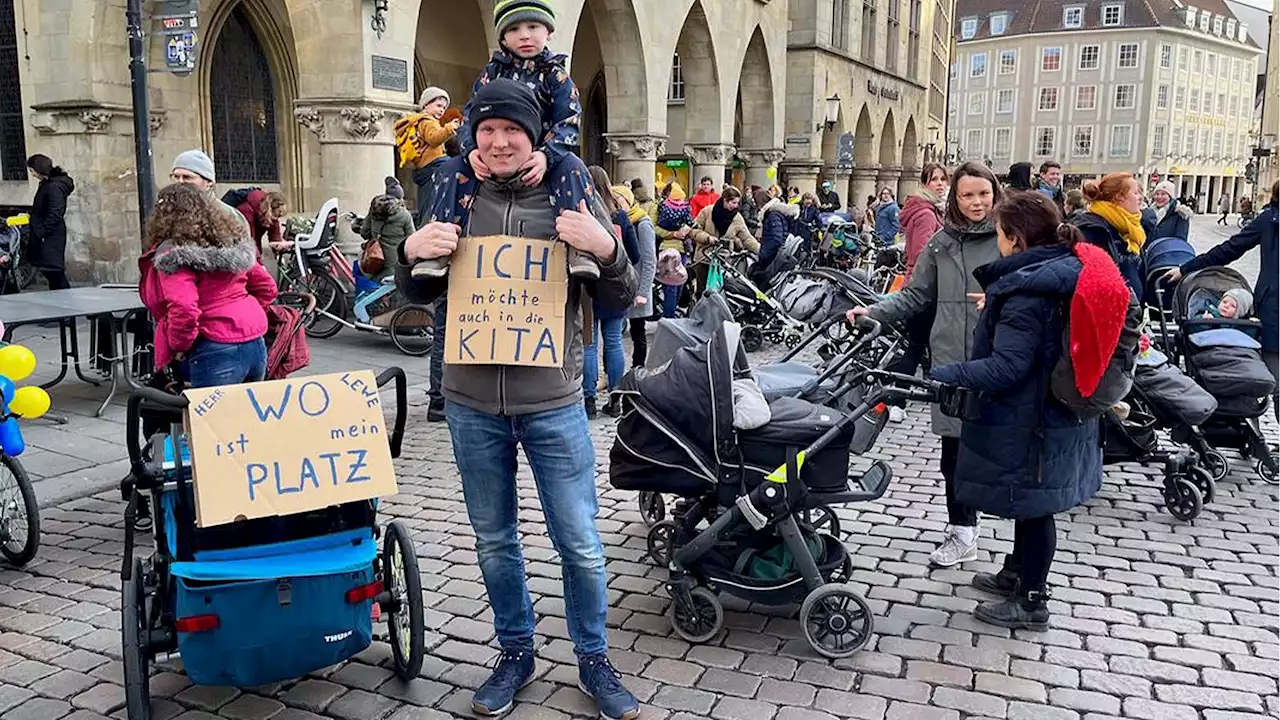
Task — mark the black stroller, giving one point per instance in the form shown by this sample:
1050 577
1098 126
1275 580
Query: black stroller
1223 356
683 431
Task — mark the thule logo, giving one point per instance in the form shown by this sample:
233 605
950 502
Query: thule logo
485 108
339 637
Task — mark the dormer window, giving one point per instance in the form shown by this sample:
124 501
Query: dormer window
1231 28
968 28
1189 16
1073 17
1204 20
1242 33
1217 25
1112 15
999 23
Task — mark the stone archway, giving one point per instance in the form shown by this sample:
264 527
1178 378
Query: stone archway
888 142
249 39
693 112
863 136
451 46
595 123
607 65
910 145
755 90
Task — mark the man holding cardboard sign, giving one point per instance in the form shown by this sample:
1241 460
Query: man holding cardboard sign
513 376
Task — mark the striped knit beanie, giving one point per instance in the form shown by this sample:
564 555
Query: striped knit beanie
509 12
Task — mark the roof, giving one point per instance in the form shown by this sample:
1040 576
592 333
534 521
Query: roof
1044 16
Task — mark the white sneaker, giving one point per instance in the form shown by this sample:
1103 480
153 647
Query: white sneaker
897 415
954 551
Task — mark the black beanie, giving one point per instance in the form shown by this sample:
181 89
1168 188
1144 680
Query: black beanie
507 100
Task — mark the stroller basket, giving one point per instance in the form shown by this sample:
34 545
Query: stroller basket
755 570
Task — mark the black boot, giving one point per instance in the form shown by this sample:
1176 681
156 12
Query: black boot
1028 611
613 407
1003 583
435 411
590 404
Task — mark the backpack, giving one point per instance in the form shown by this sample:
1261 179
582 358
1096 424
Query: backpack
409 144
1117 379
237 196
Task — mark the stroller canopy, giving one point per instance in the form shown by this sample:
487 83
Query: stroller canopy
705 318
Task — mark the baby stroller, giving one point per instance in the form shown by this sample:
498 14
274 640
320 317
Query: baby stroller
286 338
1163 397
761 316
263 600
1224 357
685 430
1159 256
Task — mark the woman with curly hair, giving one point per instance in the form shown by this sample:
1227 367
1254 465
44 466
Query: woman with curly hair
202 283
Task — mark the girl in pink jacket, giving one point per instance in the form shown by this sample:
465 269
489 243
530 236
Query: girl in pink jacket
203 284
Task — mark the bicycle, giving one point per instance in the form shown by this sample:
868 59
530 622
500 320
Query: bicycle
411 328
15 266
311 263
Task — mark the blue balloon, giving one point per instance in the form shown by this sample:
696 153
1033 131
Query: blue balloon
11 438
7 389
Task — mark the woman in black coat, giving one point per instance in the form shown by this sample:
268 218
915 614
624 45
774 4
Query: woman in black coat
1023 454
48 243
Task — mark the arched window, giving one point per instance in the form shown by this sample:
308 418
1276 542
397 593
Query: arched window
595 123
13 143
242 95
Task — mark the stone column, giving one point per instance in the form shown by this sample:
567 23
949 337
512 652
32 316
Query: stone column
708 160
864 184
839 177
803 174
94 142
758 163
888 177
907 182
634 156
356 153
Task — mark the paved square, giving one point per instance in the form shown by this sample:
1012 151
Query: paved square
1153 619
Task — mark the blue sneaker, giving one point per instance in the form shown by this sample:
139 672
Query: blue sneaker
598 679
513 671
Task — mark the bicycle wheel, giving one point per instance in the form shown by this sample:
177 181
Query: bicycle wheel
331 304
26 274
412 329
19 513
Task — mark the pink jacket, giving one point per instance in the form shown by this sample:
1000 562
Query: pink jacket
197 293
921 218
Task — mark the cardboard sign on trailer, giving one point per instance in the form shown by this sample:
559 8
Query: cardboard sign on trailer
287 446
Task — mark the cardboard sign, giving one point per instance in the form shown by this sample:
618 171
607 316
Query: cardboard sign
287 446
506 302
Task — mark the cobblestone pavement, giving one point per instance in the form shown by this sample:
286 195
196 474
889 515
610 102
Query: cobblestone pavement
1153 619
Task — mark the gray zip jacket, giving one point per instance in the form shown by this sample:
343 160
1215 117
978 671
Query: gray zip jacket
942 277
512 208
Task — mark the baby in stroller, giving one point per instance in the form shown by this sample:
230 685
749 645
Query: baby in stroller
1224 356
699 427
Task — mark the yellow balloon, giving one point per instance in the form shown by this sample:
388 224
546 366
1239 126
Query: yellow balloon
16 362
771 173
30 402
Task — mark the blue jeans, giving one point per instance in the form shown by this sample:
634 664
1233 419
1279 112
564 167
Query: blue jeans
615 362
434 377
210 363
562 457
670 300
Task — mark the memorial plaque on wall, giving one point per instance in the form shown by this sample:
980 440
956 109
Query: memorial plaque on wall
390 74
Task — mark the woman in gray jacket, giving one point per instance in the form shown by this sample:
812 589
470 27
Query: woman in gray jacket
647 240
943 279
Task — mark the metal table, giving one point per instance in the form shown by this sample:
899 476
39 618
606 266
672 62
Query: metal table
63 307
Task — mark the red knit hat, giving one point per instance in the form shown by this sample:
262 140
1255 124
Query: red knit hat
1098 307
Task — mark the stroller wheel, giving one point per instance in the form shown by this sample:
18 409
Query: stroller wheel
822 518
403 589
1267 467
752 338
1216 463
792 341
1183 500
662 539
836 621
1203 481
701 619
652 508
134 631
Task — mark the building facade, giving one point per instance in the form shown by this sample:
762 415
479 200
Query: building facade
872 69
1159 88
301 96
1267 157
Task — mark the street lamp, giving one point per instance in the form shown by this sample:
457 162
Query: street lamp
833 110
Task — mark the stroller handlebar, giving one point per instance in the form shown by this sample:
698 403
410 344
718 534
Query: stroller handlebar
396 374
